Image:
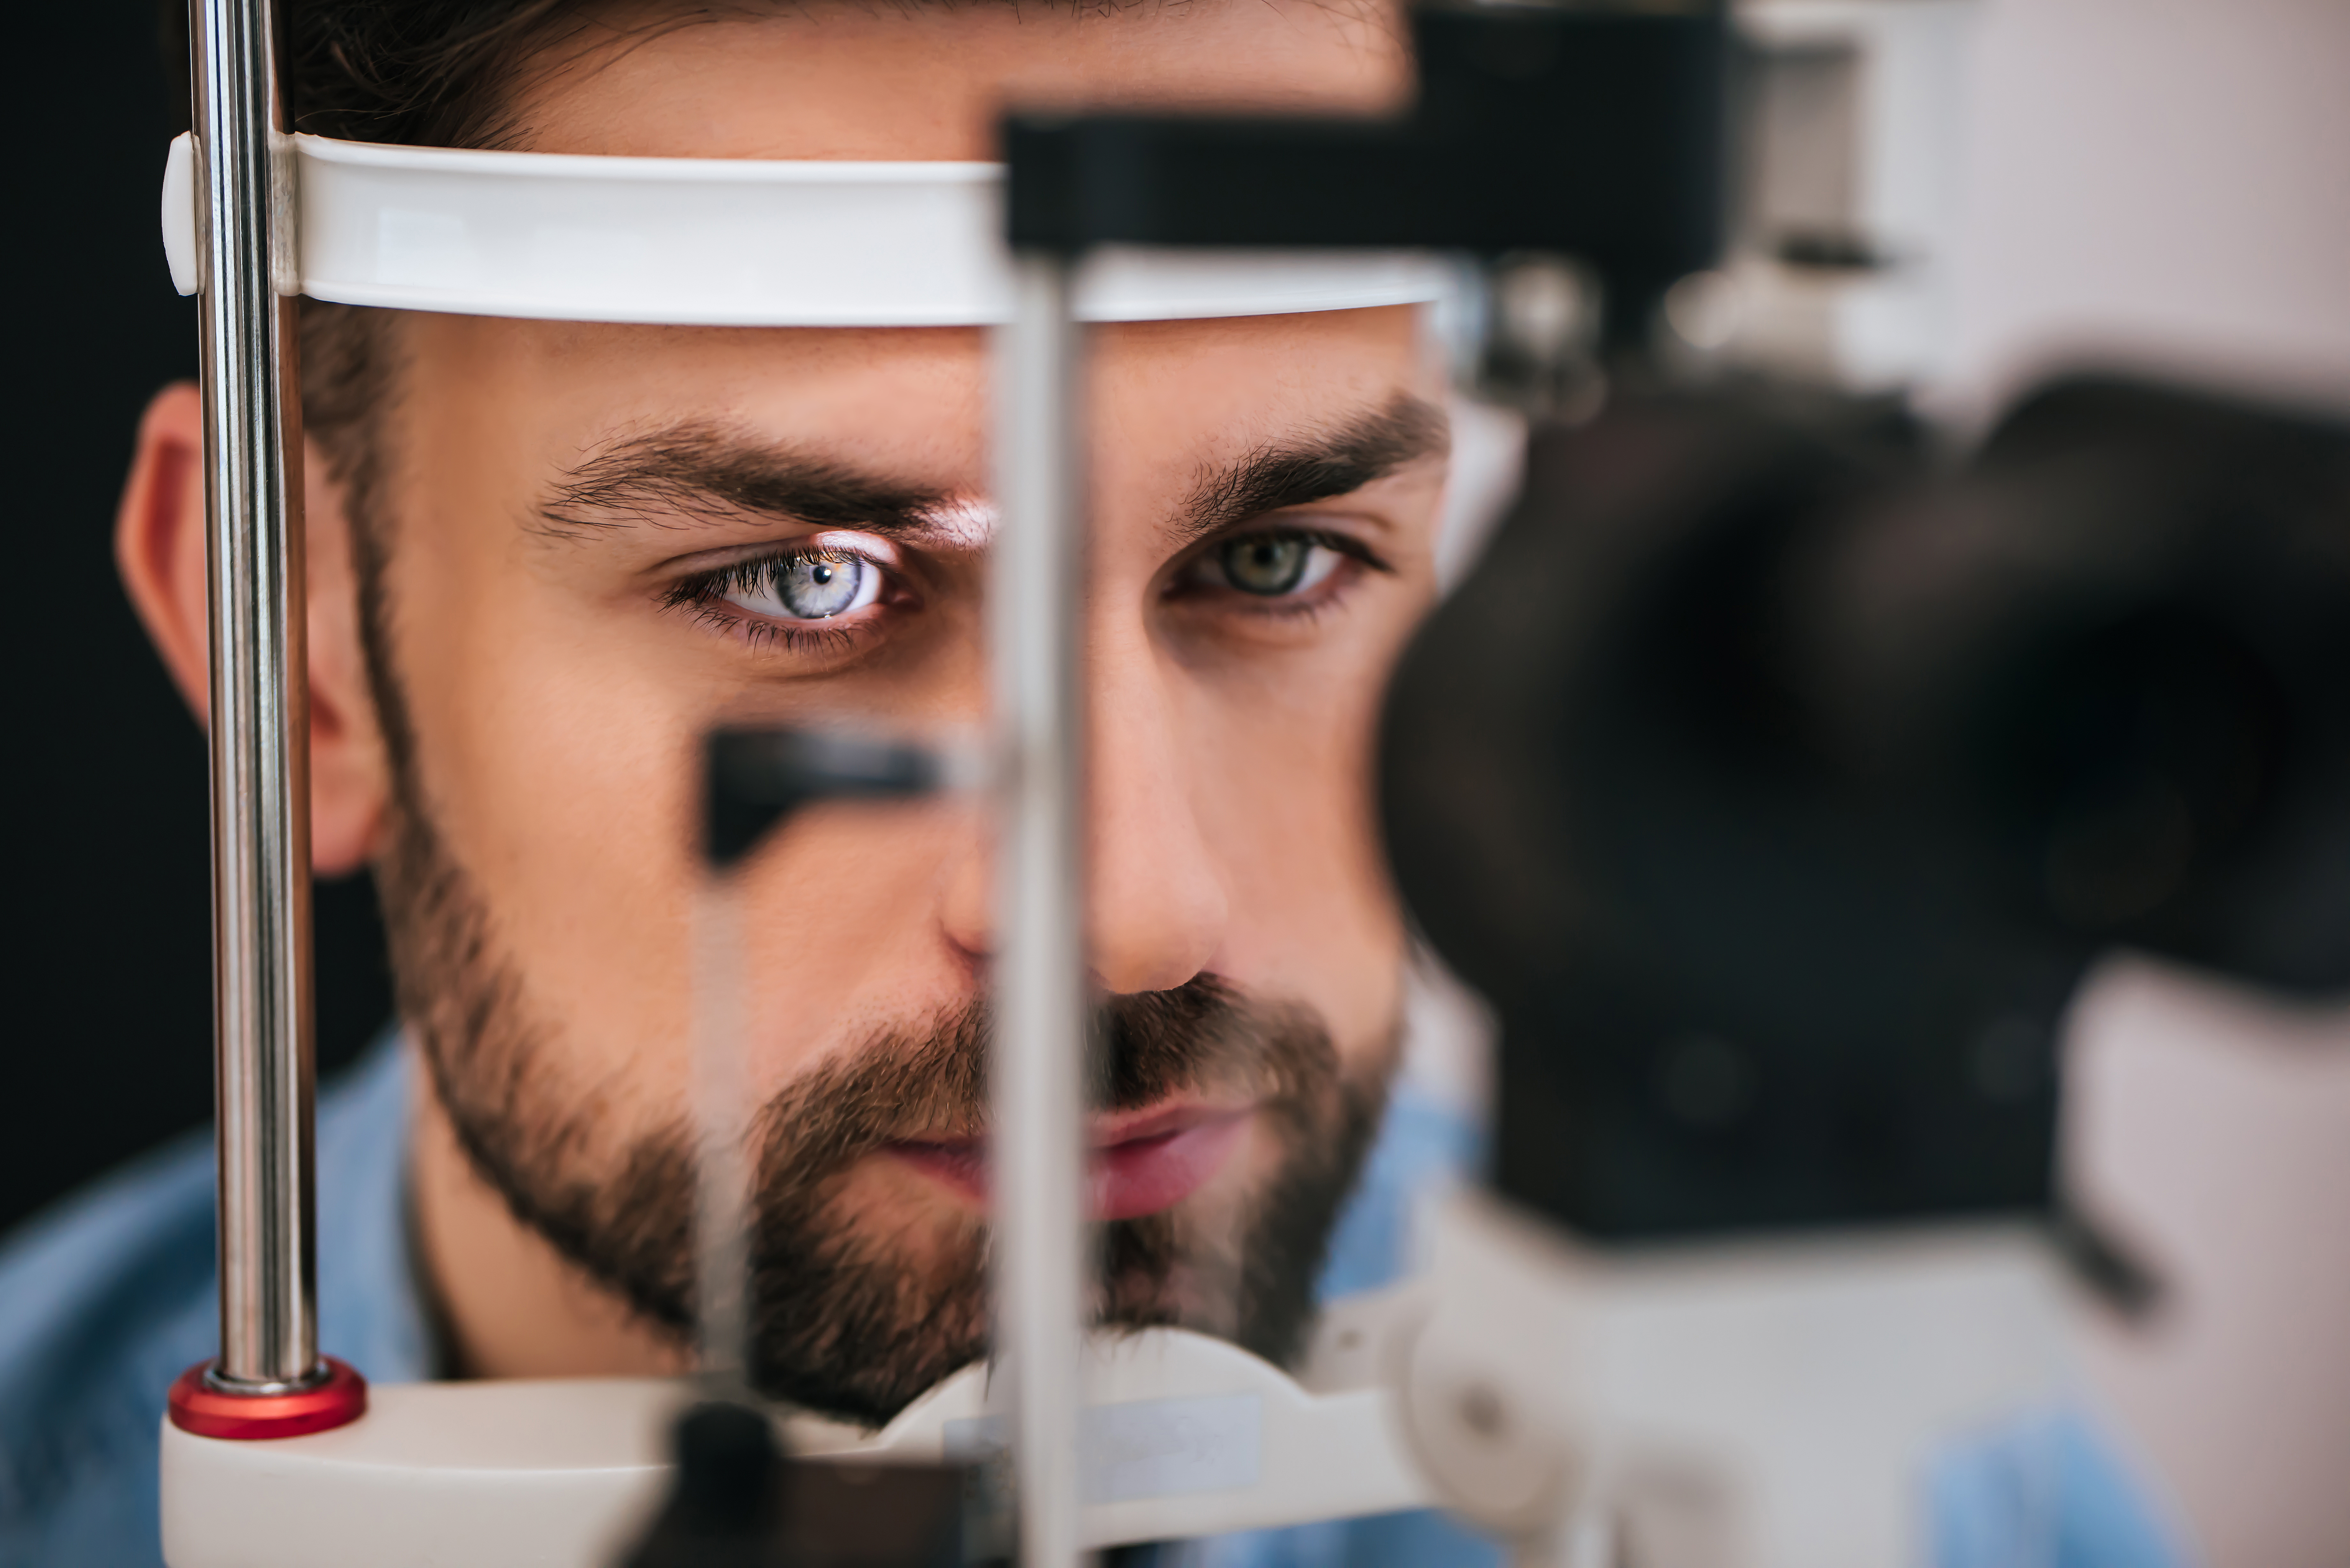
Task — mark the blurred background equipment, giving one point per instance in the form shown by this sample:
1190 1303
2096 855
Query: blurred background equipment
1844 251
1778 791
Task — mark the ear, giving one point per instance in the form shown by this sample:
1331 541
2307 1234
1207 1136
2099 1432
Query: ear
158 544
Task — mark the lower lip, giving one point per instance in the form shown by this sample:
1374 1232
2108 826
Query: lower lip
1141 1176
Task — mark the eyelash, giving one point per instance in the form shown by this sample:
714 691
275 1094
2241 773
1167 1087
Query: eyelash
1308 607
703 597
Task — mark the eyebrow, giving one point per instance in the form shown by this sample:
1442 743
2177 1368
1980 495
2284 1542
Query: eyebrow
698 474
1297 473
691 475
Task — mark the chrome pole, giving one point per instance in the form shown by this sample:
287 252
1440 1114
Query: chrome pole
1036 589
260 715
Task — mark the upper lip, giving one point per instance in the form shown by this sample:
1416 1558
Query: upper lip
1134 1127
1113 1130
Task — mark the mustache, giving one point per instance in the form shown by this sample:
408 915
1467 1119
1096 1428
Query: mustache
931 1082
857 1324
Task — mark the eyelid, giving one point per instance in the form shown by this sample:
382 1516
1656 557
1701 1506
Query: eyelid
701 587
827 637
1200 572
837 541
1296 525
879 551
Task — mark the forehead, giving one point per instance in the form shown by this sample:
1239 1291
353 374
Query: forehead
831 80
909 401
916 80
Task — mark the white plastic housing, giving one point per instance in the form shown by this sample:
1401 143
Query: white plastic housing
1766 1404
1184 1436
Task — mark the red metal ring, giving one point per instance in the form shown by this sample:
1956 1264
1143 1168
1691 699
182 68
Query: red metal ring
201 1407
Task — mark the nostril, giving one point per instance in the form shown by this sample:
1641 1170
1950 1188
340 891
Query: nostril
1159 916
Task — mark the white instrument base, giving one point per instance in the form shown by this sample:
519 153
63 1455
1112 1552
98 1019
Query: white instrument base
1184 1436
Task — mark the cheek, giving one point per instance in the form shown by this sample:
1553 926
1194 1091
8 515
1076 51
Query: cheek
558 774
558 750
553 764
839 937
1286 811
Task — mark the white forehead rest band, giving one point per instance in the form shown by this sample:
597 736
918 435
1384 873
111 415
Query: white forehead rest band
728 242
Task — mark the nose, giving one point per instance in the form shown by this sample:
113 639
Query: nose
1158 905
1156 900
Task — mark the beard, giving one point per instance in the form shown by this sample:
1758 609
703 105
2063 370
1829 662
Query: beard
848 1318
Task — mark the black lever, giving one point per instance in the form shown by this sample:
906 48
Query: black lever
739 1502
752 779
1590 130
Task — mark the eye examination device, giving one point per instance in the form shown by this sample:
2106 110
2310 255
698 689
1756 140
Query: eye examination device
1776 786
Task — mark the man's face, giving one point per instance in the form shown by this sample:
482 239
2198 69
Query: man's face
599 541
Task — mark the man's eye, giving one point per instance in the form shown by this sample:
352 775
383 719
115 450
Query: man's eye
1273 565
815 585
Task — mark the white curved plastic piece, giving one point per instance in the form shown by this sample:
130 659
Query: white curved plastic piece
1182 1435
733 242
1185 1436
1770 1402
180 214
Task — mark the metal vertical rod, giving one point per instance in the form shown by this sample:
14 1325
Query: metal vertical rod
260 714
723 1120
1037 583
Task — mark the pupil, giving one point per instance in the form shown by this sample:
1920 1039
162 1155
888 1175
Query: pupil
815 589
1267 567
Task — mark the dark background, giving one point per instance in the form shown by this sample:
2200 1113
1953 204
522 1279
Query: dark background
106 1047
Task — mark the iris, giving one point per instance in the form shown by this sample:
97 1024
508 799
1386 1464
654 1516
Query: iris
1267 564
809 586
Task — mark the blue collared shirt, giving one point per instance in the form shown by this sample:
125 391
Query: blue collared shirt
108 1298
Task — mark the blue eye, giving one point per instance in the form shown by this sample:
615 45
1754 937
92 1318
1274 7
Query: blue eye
815 585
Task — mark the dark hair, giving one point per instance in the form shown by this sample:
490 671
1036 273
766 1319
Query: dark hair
428 72
434 73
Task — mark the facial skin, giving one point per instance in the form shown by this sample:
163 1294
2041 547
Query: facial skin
596 540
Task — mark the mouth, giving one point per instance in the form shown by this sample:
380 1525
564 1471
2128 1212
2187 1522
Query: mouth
1141 1161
